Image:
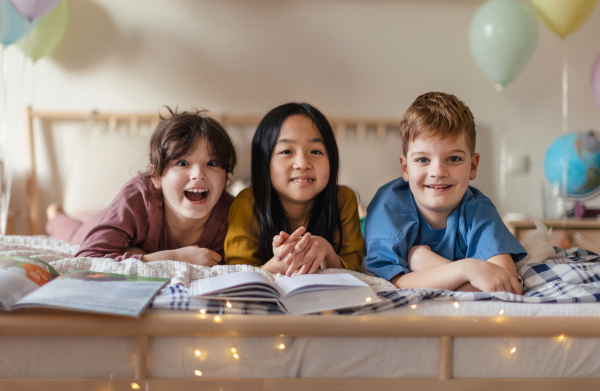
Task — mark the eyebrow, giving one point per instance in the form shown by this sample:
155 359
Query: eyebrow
453 151
290 141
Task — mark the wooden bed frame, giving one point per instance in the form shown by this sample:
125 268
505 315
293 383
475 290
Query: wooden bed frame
341 126
157 324
165 323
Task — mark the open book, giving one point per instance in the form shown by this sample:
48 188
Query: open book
30 282
296 295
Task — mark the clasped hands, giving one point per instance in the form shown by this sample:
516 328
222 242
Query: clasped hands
301 251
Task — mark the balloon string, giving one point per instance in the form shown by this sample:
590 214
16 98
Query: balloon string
565 112
503 150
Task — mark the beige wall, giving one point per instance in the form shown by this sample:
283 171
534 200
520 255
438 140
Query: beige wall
349 58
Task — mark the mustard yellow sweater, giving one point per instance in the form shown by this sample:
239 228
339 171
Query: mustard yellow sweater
241 243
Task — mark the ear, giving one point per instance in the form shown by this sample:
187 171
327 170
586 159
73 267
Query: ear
474 165
157 181
404 166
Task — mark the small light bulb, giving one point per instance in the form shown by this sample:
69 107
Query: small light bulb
501 312
368 299
197 352
228 305
198 373
135 386
233 350
282 346
413 306
217 319
513 350
561 337
203 311
456 305
236 356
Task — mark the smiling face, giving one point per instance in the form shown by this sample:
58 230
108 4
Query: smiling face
438 173
299 162
191 186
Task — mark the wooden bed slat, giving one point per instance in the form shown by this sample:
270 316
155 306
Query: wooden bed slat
166 323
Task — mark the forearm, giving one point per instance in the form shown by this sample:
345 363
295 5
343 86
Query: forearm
422 258
160 256
449 276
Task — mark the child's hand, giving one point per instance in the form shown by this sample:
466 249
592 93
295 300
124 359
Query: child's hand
285 244
190 254
489 277
309 260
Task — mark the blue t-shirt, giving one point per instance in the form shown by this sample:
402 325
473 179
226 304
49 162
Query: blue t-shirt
394 225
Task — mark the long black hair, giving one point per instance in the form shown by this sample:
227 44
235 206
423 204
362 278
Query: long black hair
271 218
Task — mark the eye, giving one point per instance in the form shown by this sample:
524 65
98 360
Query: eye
212 163
421 160
285 152
316 152
182 163
455 159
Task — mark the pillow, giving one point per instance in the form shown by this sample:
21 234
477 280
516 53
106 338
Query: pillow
101 163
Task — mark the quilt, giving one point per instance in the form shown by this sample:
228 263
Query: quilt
562 276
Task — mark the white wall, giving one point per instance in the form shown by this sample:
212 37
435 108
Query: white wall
349 58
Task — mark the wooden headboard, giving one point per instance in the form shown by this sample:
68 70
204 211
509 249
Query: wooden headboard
361 128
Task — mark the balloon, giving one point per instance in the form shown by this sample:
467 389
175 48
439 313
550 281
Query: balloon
48 34
503 36
596 79
12 25
33 9
564 16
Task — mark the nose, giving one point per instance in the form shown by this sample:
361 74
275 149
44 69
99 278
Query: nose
302 161
438 169
197 172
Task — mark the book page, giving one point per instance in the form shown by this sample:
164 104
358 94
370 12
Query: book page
310 282
104 293
20 276
239 284
315 301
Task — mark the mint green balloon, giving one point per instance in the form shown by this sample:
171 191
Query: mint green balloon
48 34
503 36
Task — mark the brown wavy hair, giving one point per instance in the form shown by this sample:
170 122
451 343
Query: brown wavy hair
437 116
177 135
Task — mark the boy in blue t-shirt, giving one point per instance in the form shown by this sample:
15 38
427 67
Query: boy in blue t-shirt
430 229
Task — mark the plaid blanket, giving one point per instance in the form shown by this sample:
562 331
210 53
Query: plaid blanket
572 277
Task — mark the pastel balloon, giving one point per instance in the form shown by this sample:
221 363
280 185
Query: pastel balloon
48 34
564 16
596 80
503 36
12 25
33 9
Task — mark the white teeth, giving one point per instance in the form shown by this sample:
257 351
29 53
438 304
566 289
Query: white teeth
302 180
438 187
197 190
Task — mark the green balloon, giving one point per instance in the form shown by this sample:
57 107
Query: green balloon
503 36
48 34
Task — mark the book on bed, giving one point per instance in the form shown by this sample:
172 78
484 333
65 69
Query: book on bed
303 294
31 283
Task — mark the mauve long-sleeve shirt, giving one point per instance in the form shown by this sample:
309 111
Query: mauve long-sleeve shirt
136 218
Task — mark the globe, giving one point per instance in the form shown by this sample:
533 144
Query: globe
579 153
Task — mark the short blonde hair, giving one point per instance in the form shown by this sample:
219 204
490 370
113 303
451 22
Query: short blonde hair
437 116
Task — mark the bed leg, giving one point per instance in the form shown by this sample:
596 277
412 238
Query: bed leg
446 356
141 357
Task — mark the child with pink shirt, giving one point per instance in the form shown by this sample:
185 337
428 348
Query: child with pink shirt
177 210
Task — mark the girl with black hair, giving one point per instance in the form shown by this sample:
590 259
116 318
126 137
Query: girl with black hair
295 217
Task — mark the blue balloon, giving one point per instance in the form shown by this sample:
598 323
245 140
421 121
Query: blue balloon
13 26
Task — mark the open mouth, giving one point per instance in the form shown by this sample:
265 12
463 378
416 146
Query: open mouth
196 195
